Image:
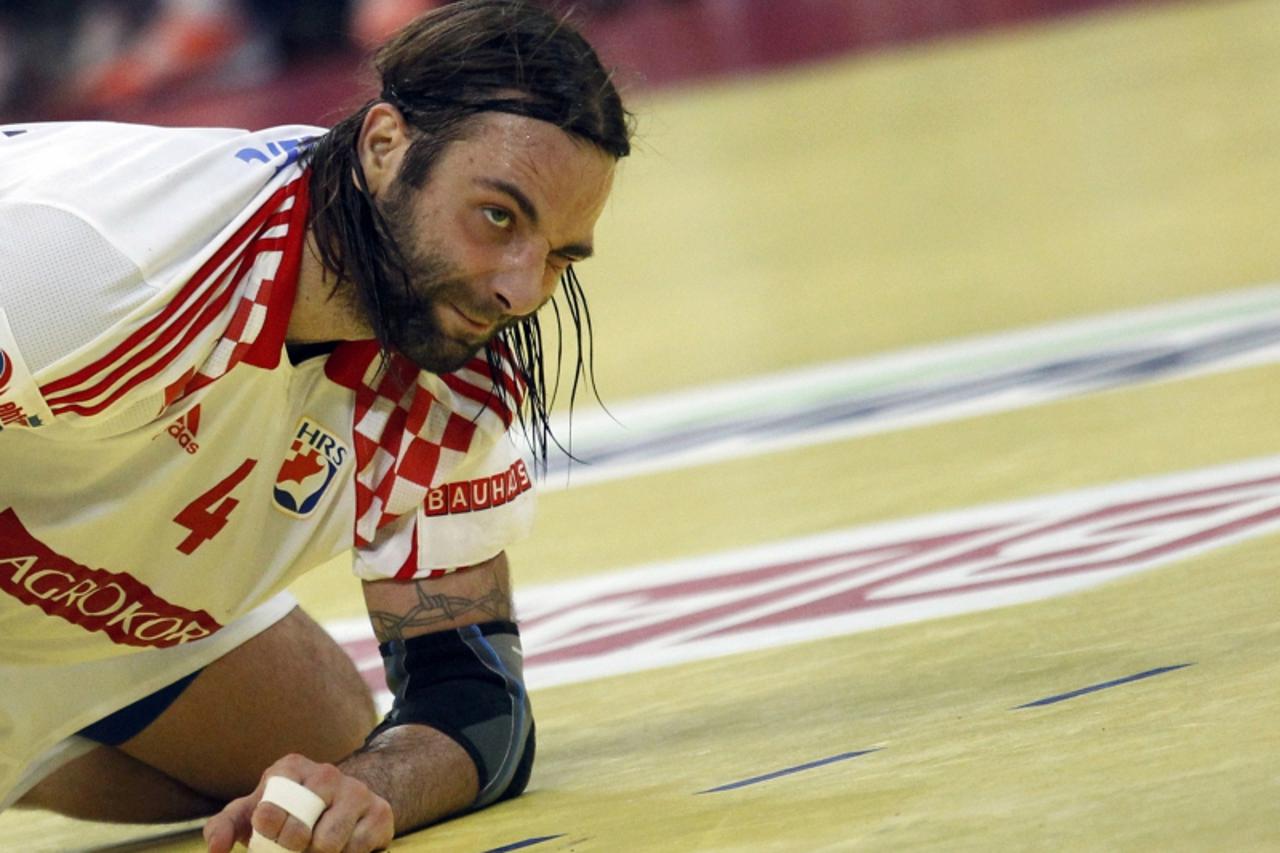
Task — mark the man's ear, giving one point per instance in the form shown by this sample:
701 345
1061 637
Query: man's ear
384 138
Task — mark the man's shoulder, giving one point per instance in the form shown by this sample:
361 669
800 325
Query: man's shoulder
154 193
171 275
109 171
93 139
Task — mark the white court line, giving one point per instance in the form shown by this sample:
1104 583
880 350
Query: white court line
919 386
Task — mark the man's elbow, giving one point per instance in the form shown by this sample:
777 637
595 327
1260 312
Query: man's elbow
512 785
468 684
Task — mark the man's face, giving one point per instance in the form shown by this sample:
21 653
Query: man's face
488 236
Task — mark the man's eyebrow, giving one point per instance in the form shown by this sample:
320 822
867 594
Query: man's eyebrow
571 252
522 201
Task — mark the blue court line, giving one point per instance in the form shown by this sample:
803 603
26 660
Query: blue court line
1049 700
844 756
520 845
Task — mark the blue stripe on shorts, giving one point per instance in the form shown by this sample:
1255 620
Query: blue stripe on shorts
132 719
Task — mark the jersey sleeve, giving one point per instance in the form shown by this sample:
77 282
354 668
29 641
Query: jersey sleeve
440 481
62 284
133 261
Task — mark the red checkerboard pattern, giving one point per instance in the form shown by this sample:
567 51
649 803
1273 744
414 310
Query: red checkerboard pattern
408 424
263 264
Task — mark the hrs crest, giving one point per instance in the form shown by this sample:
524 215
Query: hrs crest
315 456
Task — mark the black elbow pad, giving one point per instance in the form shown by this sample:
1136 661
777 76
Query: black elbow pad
468 683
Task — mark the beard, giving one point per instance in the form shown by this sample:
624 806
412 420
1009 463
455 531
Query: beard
404 309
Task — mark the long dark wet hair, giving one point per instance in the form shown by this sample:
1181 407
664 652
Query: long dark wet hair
440 72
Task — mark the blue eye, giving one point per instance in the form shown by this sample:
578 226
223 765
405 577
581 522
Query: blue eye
497 216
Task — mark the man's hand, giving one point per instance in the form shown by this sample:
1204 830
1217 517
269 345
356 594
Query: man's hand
356 819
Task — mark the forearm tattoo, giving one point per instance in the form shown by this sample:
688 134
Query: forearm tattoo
432 611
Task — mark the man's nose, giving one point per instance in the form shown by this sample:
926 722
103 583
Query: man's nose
521 286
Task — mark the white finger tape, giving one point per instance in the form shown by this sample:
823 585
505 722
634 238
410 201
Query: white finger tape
261 844
298 800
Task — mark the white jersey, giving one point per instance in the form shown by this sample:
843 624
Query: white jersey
164 468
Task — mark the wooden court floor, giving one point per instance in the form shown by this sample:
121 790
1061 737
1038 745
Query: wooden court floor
997 591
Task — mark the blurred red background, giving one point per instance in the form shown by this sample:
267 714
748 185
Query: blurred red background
652 43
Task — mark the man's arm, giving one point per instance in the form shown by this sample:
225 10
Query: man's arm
400 610
421 773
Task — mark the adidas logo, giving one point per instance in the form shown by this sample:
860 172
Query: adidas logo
185 429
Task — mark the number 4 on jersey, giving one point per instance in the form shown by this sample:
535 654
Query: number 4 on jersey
207 515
